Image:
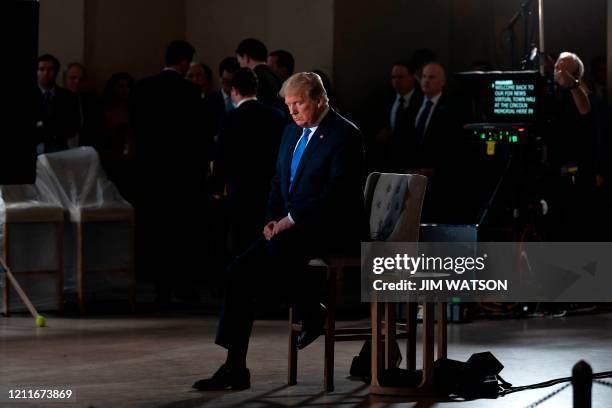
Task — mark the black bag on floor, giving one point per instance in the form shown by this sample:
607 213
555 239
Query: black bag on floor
362 364
476 378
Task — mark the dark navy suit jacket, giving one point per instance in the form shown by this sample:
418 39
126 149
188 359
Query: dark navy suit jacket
326 198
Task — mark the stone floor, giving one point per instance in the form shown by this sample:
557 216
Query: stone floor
129 361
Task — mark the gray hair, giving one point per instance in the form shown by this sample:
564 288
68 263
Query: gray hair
308 82
75 65
576 59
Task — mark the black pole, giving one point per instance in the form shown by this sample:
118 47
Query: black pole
522 12
582 380
526 14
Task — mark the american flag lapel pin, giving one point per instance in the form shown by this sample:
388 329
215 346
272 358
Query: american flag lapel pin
321 136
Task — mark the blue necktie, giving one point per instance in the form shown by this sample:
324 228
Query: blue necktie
228 103
297 154
398 112
420 127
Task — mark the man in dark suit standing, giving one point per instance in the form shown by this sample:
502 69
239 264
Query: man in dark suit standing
57 119
282 62
401 112
88 110
408 95
315 208
219 103
172 156
434 140
201 75
246 155
227 67
252 53
216 107
212 109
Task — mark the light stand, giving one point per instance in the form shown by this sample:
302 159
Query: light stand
525 12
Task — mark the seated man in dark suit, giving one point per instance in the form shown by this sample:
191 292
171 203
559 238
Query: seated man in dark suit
246 157
315 208
57 109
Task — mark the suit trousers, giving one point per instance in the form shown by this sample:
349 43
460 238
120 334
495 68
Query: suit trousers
278 265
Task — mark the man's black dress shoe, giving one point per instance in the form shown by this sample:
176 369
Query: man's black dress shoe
225 379
312 327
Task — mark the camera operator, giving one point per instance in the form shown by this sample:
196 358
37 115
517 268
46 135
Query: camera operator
572 154
568 74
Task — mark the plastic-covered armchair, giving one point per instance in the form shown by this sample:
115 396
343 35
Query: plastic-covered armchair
32 244
76 180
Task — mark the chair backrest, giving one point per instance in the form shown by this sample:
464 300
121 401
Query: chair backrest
24 197
20 193
76 179
393 203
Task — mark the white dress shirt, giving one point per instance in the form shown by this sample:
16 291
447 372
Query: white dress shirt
435 100
250 98
396 105
313 129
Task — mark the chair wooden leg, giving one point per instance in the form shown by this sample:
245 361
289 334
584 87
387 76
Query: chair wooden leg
426 388
5 296
132 269
441 331
428 346
411 327
377 362
390 335
6 287
59 247
293 352
79 267
330 330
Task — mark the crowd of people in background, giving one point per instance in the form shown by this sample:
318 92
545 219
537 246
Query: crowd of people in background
175 143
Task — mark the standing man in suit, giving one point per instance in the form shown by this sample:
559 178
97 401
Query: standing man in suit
434 140
246 156
430 122
315 208
227 67
217 107
211 107
407 95
252 53
219 103
402 112
89 112
57 119
282 62
172 156
201 75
